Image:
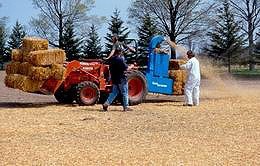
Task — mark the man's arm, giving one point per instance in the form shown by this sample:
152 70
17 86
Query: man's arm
110 55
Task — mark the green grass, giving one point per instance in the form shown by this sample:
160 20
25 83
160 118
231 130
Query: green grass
246 72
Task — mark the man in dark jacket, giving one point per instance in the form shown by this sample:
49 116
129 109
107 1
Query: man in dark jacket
118 69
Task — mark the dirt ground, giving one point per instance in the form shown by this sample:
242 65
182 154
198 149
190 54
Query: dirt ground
223 130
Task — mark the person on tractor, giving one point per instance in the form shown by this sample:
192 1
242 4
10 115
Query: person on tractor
118 69
117 45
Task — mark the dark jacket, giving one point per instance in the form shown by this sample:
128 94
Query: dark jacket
117 68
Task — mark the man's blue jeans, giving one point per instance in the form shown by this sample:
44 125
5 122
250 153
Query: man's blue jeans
122 89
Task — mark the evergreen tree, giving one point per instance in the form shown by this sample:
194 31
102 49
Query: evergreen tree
226 39
92 49
71 43
116 27
16 36
3 50
145 32
257 47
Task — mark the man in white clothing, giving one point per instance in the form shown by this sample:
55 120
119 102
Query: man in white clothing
192 86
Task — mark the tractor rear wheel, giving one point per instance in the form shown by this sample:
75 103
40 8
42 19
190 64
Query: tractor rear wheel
87 93
64 97
137 87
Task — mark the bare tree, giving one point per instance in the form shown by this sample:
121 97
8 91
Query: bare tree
180 19
248 11
55 14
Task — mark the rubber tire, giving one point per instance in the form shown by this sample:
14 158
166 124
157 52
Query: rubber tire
93 87
137 99
64 97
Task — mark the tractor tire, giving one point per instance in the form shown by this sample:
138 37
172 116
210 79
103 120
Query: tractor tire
87 93
64 97
137 87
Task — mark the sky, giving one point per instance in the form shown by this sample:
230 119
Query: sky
23 10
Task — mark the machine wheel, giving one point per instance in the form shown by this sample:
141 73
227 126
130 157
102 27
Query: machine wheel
64 97
137 87
87 93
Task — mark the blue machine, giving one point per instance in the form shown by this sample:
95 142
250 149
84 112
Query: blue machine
157 72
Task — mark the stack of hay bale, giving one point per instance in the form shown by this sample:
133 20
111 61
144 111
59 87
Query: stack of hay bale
33 64
179 76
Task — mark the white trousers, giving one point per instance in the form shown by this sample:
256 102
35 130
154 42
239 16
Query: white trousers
192 92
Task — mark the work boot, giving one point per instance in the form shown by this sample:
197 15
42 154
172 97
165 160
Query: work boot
105 106
127 109
190 105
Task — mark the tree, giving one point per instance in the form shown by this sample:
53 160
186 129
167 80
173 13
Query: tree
93 47
146 31
15 40
54 16
116 27
179 19
226 37
71 44
3 38
248 11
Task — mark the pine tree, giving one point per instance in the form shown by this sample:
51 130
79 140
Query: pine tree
3 50
225 38
116 27
92 49
16 36
145 32
71 43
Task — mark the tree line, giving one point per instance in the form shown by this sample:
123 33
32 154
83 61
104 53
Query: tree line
227 30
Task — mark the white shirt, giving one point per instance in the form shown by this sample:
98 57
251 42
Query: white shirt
193 69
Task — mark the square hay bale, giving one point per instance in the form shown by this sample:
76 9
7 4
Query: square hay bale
179 77
12 68
33 44
31 86
47 57
17 55
39 73
58 71
175 63
24 68
23 83
10 80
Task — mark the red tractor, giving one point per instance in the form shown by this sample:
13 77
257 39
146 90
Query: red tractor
88 83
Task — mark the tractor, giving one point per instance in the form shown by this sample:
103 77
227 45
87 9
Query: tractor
88 82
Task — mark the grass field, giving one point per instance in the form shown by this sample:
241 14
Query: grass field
223 130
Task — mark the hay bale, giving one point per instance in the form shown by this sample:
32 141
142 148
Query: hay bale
23 83
24 68
30 44
47 57
179 77
10 80
58 71
39 73
31 86
17 55
175 63
12 68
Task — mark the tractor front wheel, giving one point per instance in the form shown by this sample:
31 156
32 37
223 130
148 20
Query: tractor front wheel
64 97
87 93
137 87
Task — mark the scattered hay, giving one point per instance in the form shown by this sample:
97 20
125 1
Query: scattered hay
13 68
47 57
39 73
58 71
17 55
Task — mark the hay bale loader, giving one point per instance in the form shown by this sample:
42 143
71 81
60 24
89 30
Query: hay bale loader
88 82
